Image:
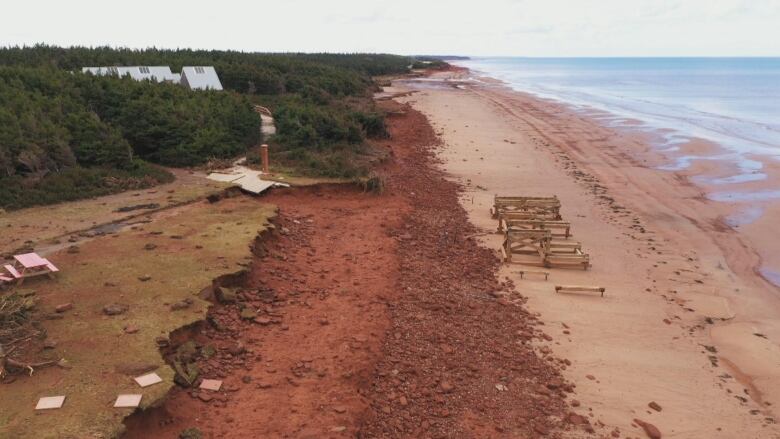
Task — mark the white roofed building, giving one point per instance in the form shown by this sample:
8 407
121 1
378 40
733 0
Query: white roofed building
192 77
200 78
139 73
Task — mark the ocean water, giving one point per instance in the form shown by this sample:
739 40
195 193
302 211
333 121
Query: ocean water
734 102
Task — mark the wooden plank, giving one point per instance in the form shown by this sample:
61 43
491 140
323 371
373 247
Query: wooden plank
524 272
579 288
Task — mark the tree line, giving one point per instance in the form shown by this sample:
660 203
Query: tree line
94 134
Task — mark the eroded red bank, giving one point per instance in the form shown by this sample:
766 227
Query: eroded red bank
379 316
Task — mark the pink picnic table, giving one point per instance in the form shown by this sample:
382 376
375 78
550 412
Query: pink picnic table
29 265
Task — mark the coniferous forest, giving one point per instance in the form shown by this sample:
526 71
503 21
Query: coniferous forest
66 135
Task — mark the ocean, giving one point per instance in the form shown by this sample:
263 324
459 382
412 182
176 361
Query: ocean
733 102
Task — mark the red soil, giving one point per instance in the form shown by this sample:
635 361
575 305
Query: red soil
379 317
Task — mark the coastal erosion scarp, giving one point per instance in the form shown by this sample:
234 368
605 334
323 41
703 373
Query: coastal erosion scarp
125 292
656 335
374 315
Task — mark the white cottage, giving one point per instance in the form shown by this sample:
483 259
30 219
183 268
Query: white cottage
139 73
194 78
200 78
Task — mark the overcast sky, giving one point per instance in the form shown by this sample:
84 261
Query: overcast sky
455 27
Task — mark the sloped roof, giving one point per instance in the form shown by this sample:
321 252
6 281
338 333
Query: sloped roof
139 73
200 78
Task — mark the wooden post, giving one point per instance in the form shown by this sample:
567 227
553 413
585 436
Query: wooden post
264 157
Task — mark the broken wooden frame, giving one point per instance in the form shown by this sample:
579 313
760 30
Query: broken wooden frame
526 242
526 204
538 243
559 229
579 289
565 246
565 260
531 224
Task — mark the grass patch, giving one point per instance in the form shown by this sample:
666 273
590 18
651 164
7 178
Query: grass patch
194 244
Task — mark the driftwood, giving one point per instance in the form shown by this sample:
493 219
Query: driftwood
7 362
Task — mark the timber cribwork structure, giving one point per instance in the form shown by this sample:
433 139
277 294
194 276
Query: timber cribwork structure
534 230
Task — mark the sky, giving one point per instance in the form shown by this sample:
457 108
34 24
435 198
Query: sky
408 27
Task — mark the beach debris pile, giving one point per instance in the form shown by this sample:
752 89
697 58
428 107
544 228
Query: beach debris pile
248 179
460 340
534 230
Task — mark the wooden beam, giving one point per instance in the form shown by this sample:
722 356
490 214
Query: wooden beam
579 288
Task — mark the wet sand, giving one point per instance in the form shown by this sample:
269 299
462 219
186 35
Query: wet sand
686 322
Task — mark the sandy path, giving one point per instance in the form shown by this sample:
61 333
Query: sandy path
656 246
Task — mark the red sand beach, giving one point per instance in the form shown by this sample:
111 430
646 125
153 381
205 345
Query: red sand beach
687 321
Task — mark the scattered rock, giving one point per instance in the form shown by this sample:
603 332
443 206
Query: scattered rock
446 387
184 304
263 321
150 246
49 344
144 278
73 249
191 433
236 348
340 409
131 329
225 295
64 307
651 430
114 309
541 429
655 406
205 397
248 313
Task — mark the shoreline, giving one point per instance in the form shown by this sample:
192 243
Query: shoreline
745 203
699 274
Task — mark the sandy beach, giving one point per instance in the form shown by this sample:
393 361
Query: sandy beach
687 322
